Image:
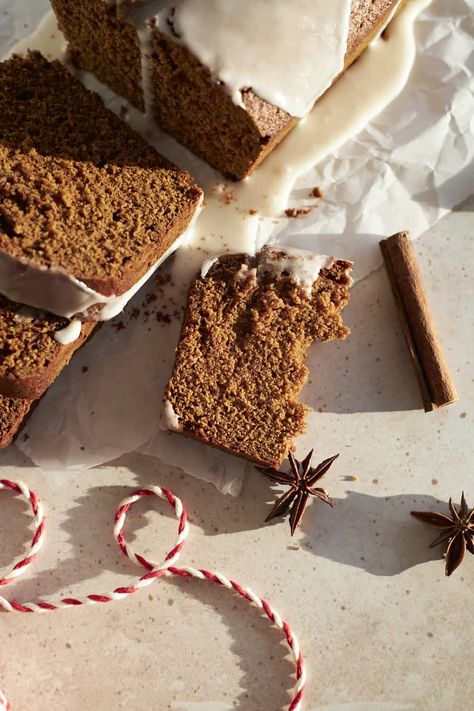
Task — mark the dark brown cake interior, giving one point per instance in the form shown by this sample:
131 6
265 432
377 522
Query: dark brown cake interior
30 357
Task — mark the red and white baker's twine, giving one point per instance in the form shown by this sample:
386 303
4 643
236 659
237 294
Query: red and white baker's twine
155 571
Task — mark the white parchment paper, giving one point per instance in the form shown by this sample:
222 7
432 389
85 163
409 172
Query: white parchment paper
406 169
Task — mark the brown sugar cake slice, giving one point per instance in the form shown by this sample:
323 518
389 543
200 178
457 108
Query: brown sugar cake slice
87 207
187 102
35 359
239 364
34 348
13 413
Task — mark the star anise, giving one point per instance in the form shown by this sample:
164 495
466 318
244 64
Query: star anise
457 531
301 479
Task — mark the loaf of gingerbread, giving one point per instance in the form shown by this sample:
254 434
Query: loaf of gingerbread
228 78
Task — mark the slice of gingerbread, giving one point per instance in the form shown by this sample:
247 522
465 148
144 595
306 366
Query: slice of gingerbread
240 361
87 207
35 347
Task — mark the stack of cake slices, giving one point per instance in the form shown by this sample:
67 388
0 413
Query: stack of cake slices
88 211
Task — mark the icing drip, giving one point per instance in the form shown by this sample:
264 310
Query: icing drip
303 266
293 50
145 36
169 418
208 264
70 333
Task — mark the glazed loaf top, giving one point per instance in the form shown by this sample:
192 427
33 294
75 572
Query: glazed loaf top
179 81
287 53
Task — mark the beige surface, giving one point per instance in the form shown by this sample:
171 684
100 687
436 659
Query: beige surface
380 626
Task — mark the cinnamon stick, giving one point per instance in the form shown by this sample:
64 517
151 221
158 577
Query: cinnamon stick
436 385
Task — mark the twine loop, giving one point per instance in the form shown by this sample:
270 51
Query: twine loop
154 571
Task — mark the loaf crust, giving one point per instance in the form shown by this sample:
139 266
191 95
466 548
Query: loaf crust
188 103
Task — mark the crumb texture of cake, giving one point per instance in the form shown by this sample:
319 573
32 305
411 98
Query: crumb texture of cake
239 365
13 413
187 101
31 354
79 190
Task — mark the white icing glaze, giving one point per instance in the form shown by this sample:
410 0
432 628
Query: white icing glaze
24 315
169 419
303 266
288 53
246 274
145 36
359 95
243 272
54 290
70 333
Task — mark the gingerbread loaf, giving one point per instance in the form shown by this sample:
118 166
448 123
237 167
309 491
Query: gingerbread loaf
187 102
82 197
239 363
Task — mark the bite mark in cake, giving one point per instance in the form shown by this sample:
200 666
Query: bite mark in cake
239 365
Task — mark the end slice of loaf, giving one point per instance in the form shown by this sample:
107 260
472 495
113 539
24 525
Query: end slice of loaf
79 190
30 356
33 364
240 361
13 413
188 103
